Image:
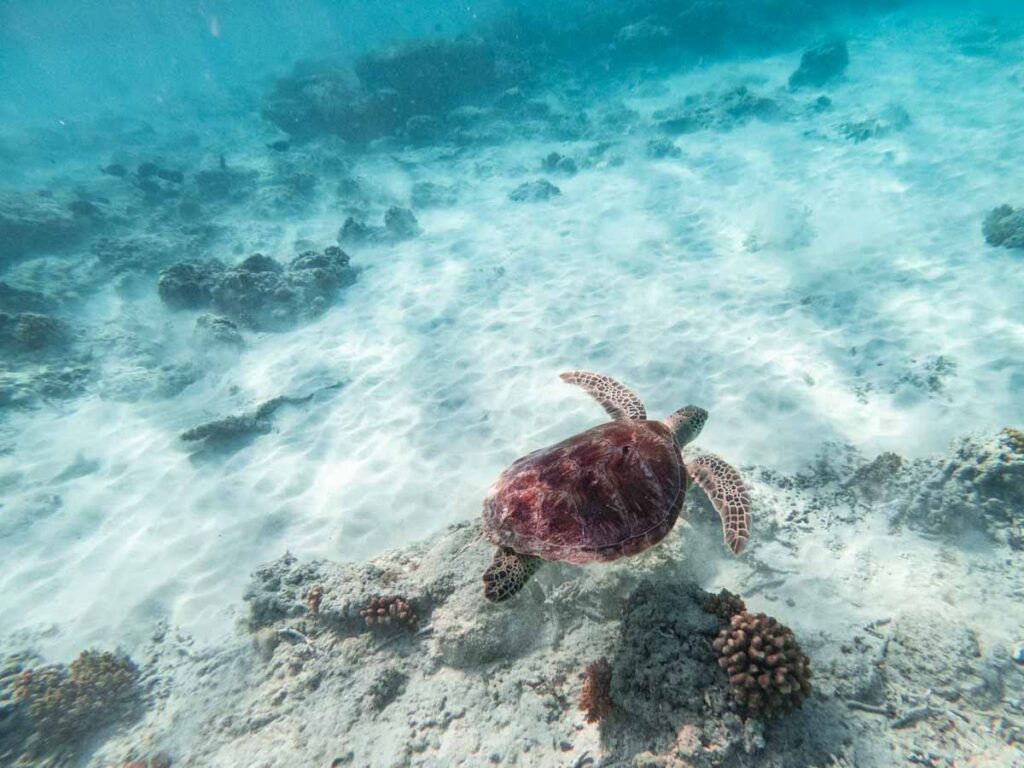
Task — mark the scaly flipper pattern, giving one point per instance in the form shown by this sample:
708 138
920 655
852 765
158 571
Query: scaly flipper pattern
728 494
618 401
507 574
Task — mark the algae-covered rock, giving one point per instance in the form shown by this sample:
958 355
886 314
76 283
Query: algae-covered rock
1004 226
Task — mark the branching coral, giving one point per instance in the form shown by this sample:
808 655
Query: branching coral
381 610
768 671
595 698
67 704
725 604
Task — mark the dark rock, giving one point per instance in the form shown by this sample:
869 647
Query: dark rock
401 223
893 119
281 145
213 331
534 191
236 431
659 149
427 194
30 332
556 163
115 169
260 293
820 65
36 225
189 285
354 231
84 208
722 112
1004 226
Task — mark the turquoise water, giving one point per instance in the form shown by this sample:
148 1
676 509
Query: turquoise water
771 208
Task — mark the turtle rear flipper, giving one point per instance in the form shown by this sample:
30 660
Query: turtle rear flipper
728 495
507 574
617 401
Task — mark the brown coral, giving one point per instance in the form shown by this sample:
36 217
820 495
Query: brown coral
313 599
381 610
1012 439
67 704
595 697
768 671
724 605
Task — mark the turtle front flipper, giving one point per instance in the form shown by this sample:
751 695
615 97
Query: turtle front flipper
728 494
507 574
618 401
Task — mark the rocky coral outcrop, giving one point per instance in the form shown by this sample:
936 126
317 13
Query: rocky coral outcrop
30 332
1004 226
821 64
979 487
50 709
260 293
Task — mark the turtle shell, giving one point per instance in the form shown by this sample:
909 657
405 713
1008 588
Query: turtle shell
606 493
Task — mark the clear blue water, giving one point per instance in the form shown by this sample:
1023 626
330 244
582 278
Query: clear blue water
646 189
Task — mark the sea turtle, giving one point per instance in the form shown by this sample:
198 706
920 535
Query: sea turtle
611 491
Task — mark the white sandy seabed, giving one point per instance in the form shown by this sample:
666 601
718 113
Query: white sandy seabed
805 288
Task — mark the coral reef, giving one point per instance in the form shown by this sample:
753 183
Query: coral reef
1004 226
382 610
821 64
213 331
534 191
64 705
595 700
260 293
725 604
768 671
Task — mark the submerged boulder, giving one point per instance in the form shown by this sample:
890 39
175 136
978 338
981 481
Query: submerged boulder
29 332
1004 226
534 191
399 224
821 64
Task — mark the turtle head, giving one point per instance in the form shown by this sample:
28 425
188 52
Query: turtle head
686 423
